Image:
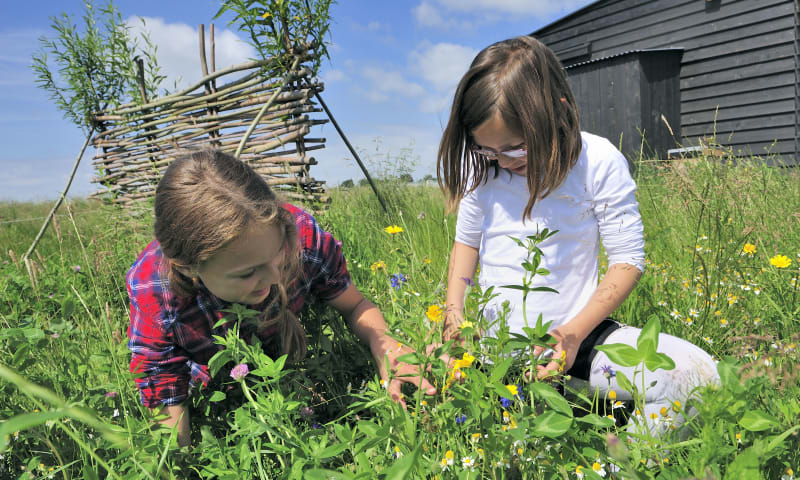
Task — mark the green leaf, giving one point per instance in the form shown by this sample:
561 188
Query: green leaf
67 307
551 424
412 358
596 420
331 450
217 396
648 338
745 465
554 400
323 474
729 375
402 468
757 421
655 361
621 354
500 369
24 422
623 382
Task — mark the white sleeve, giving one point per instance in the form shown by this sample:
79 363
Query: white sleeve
617 211
470 221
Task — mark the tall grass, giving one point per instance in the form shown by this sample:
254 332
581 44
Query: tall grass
64 333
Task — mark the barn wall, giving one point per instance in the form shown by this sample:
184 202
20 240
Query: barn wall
739 69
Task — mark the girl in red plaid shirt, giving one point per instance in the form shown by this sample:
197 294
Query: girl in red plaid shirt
222 237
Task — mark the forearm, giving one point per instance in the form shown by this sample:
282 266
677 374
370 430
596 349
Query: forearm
368 324
463 263
612 290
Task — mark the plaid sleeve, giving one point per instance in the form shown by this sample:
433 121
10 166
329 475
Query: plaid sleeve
324 264
166 374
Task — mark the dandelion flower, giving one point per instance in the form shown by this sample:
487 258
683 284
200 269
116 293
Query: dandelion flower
513 390
780 261
466 324
379 265
392 229
435 313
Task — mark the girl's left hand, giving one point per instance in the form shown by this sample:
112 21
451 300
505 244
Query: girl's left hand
565 350
400 371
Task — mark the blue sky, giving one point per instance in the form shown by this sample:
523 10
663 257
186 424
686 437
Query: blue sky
393 68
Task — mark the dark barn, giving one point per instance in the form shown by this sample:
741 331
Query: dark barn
709 67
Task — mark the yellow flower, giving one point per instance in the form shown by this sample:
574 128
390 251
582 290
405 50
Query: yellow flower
379 265
466 324
749 248
465 361
266 15
780 261
612 395
427 260
512 389
435 313
392 229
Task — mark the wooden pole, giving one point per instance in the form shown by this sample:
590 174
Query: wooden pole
266 106
58 203
352 150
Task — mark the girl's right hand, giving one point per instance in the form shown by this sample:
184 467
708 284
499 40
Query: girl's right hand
452 327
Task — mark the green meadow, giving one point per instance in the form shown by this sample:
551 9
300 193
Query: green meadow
723 260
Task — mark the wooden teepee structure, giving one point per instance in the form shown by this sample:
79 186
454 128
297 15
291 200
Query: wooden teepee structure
136 142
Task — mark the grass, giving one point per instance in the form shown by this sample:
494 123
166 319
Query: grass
69 407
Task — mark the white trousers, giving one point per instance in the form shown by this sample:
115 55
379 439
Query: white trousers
693 368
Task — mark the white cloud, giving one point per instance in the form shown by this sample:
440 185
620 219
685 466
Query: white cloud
178 49
427 15
333 75
442 64
386 146
384 84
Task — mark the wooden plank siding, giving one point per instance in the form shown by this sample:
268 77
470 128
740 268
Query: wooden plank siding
739 72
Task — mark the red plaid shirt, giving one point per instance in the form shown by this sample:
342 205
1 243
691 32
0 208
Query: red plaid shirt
171 336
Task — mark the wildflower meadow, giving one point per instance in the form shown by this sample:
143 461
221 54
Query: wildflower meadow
723 260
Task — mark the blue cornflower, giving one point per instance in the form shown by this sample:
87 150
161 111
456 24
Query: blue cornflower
398 279
505 402
468 281
460 419
608 372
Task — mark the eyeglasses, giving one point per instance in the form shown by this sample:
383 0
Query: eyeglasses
518 152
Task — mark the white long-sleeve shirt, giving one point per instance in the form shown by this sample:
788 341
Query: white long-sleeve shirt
595 202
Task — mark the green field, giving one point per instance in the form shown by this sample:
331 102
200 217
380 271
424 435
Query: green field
715 235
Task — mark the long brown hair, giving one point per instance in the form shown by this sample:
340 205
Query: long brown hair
522 80
206 199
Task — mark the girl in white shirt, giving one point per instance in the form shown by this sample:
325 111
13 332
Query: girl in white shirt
514 161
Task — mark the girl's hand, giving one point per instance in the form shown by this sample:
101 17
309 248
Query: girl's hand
387 351
452 325
565 350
